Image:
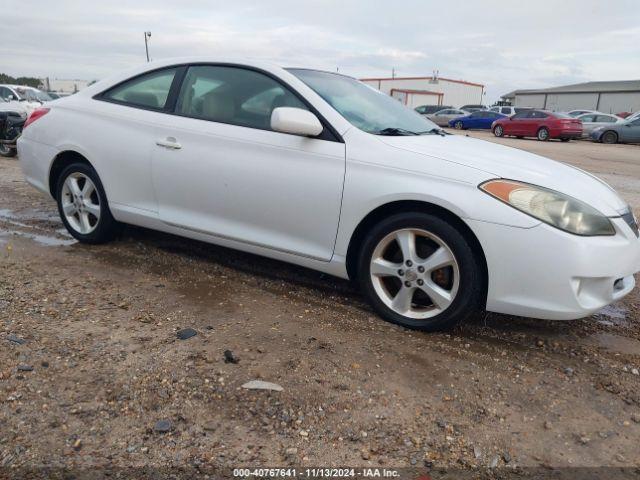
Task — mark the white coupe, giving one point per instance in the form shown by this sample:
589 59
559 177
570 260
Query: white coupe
320 170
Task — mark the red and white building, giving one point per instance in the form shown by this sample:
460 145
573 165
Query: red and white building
435 90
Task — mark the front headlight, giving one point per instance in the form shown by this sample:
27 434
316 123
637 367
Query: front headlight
555 208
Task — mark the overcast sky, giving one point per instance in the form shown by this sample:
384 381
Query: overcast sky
502 44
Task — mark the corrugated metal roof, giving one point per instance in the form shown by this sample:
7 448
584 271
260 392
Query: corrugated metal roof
615 86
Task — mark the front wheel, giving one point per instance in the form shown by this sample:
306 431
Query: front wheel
610 137
498 131
543 134
458 125
83 206
7 151
420 272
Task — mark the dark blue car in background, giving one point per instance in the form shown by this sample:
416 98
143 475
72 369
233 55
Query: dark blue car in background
481 119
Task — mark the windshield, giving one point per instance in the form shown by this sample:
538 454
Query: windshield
39 95
363 106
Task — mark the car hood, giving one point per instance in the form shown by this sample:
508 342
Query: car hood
499 161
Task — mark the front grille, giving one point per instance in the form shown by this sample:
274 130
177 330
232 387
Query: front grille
630 219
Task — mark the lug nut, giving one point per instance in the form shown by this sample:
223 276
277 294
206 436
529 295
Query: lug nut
421 269
407 284
401 272
420 282
409 263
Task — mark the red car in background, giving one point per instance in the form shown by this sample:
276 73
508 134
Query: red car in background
541 124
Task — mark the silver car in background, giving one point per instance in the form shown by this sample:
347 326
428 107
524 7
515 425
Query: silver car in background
593 120
442 117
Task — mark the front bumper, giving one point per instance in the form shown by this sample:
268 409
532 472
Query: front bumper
542 272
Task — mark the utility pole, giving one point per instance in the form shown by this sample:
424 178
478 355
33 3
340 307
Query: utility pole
147 35
393 73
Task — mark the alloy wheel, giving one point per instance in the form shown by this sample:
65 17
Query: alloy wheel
414 273
543 134
609 137
81 203
458 125
498 131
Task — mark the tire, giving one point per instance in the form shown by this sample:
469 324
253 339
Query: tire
7 152
498 131
543 134
609 137
100 226
458 125
384 273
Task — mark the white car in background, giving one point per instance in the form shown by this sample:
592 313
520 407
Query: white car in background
31 98
318 169
508 110
13 106
593 120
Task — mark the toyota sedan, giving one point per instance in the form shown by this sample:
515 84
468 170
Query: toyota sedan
320 170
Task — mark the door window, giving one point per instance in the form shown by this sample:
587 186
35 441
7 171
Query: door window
5 93
147 91
233 95
506 110
589 118
604 119
521 114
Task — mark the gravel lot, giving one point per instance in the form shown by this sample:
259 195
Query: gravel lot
93 374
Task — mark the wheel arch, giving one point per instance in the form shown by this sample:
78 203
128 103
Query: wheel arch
403 206
60 162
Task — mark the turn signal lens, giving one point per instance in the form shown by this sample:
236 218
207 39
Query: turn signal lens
551 207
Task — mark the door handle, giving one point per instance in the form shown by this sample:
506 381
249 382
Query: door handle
169 142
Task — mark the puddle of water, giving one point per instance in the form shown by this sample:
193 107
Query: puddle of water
616 343
41 239
612 315
14 219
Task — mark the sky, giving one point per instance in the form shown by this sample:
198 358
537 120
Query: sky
504 45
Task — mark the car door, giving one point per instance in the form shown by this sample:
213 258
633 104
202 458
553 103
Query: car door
589 122
442 118
473 120
630 132
126 115
218 168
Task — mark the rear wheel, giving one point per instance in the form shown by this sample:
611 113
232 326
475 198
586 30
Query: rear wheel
420 272
543 134
7 151
83 206
498 131
458 125
610 137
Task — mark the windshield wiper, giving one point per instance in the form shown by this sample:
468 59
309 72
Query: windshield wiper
395 131
434 131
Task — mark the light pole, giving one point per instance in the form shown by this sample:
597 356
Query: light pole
147 36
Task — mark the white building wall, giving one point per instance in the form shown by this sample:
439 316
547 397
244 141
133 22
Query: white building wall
456 94
532 100
563 102
417 99
619 102
62 85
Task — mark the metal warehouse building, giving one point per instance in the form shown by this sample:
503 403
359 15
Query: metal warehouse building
609 97
417 91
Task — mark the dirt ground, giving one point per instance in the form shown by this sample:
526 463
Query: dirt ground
93 375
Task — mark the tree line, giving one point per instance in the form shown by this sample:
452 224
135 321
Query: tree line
28 81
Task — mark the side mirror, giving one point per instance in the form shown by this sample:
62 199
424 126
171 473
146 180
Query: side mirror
295 121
